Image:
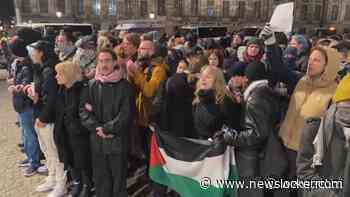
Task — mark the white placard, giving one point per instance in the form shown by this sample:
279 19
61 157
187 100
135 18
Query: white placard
282 18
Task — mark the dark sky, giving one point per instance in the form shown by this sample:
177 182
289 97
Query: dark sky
7 9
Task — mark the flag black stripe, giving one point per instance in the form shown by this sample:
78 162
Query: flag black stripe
186 149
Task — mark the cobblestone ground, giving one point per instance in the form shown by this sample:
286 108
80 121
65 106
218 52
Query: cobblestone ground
12 182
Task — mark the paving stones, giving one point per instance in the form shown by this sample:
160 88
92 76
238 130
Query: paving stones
12 181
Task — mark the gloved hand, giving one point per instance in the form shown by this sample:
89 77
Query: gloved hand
229 135
268 35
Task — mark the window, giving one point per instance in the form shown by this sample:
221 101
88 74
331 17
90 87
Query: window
334 15
112 7
318 12
226 9
178 7
61 6
161 8
144 8
194 7
257 9
121 12
211 7
241 9
130 6
304 12
347 13
96 7
80 7
25 7
44 6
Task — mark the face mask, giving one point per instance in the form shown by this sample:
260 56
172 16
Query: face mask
30 51
84 57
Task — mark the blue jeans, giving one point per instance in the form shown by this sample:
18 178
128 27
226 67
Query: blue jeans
31 143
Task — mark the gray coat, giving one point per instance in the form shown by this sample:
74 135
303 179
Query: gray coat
334 156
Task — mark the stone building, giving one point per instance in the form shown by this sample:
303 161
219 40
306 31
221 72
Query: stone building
171 13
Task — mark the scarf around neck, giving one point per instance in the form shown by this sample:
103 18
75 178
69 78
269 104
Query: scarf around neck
248 59
113 77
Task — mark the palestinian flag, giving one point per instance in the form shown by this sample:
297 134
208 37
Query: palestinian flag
182 163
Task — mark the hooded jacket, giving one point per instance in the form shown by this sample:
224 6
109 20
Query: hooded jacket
343 90
311 98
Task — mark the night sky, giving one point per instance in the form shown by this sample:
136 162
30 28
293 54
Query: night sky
7 9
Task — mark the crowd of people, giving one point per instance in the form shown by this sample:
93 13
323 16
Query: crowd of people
85 105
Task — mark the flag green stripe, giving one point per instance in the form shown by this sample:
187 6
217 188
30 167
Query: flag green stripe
188 187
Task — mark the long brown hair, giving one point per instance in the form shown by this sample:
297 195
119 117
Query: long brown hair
219 54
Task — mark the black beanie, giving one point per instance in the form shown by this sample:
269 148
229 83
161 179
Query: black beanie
256 71
28 35
18 47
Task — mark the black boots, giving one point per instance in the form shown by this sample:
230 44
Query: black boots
76 189
86 191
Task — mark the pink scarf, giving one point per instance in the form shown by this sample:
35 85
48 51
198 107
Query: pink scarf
113 77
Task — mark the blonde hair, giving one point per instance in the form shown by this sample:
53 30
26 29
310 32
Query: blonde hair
219 84
103 42
71 72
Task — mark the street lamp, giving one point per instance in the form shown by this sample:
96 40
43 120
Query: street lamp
59 14
151 16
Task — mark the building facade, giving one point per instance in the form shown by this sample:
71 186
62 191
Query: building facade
171 13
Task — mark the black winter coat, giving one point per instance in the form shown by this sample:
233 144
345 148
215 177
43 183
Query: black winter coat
113 109
71 138
257 141
46 86
260 117
172 106
209 117
23 76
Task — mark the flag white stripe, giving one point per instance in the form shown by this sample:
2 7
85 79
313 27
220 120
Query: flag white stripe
215 168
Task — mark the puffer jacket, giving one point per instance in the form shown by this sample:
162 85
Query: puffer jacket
113 109
311 98
333 156
46 86
23 76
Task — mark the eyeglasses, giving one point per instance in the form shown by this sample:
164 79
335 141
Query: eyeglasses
105 61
